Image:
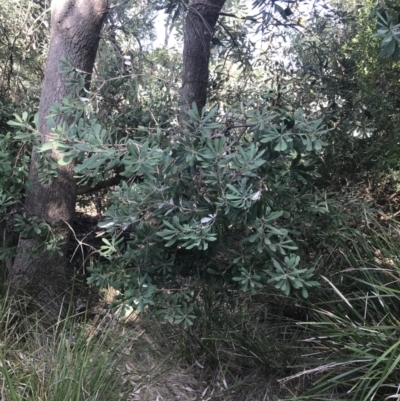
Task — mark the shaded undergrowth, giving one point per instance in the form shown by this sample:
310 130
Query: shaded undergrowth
350 344
342 343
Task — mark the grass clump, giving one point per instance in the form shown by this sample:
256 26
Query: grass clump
91 356
350 348
67 361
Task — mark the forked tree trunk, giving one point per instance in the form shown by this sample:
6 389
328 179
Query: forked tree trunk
201 17
75 33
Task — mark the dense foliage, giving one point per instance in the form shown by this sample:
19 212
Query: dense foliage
220 201
216 202
283 187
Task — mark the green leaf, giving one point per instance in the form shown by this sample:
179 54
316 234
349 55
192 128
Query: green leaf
388 49
83 147
281 145
47 146
65 160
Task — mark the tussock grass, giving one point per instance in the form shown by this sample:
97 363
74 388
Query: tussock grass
81 358
66 361
350 348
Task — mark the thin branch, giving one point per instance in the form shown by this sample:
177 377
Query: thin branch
88 189
242 131
227 31
229 15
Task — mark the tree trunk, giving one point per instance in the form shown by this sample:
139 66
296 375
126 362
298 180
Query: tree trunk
201 17
75 33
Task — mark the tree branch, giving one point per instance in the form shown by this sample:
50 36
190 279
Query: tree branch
87 189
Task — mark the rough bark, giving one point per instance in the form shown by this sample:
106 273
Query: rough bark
201 18
75 33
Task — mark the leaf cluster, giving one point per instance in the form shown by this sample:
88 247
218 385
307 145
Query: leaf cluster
209 205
